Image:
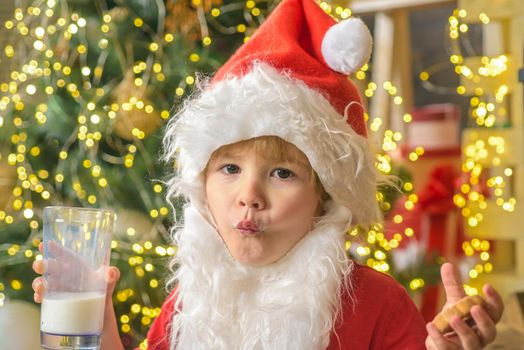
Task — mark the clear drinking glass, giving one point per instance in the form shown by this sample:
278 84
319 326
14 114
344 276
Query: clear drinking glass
77 248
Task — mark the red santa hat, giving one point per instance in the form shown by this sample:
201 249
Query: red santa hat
301 38
289 80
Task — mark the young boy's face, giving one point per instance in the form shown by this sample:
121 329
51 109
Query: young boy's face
262 206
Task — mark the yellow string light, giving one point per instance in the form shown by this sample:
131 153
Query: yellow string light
484 113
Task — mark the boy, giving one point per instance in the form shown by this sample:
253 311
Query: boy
274 164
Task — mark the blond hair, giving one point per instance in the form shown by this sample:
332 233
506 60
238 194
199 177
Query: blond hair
274 147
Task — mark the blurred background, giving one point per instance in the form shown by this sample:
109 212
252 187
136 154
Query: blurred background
87 86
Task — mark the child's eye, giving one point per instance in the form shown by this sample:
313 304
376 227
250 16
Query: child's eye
282 173
230 169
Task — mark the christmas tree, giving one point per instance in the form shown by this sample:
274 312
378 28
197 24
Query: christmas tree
90 85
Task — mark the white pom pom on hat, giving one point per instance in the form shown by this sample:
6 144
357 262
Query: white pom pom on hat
347 45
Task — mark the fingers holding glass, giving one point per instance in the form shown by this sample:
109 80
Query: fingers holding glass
39 289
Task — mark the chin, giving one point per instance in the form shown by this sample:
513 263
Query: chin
254 261
251 262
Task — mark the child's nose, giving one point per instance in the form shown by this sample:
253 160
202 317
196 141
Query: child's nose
251 195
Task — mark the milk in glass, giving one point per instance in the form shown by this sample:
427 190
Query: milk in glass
73 313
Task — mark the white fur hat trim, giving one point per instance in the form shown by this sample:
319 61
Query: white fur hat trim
233 110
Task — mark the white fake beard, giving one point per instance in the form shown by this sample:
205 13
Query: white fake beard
290 304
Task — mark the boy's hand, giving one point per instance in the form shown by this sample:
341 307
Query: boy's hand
464 335
40 267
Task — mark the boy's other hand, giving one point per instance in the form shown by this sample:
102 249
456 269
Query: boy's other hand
465 336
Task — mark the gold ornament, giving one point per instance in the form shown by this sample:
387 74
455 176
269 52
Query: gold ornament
136 116
119 13
183 17
342 3
7 182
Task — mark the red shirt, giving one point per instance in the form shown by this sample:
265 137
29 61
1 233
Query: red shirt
384 317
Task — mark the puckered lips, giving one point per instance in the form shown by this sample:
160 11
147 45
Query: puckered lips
248 227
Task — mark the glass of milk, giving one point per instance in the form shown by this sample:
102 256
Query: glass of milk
77 248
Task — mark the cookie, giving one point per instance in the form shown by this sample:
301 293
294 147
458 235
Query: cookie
461 309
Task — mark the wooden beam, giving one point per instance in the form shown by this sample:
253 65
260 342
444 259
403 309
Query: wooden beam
384 36
498 224
495 9
513 148
506 283
401 71
360 7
